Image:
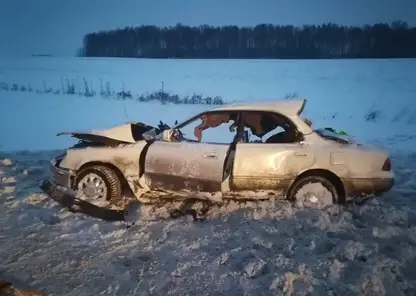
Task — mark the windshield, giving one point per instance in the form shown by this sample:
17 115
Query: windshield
152 134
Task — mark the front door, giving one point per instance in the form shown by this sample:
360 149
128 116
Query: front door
195 161
185 165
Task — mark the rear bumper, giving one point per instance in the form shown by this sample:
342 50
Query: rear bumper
366 186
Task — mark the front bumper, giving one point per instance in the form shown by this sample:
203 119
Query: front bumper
61 177
367 186
77 205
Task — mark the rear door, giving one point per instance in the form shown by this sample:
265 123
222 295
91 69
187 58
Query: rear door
261 166
185 165
273 157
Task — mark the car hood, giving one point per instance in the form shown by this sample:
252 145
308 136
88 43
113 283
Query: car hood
127 133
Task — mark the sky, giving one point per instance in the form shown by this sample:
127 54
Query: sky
57 26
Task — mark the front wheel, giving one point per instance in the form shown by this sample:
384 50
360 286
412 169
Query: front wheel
99 185
315 191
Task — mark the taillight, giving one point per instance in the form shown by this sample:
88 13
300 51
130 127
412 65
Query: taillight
387 165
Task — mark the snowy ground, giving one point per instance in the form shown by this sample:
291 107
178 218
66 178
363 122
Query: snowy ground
264 249
268 249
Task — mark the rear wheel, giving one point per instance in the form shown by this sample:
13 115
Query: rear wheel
99 185
315 191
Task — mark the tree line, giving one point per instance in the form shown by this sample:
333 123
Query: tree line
264 41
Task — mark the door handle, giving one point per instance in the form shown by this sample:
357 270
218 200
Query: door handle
300 154
212 155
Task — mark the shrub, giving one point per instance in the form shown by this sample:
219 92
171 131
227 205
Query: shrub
106 92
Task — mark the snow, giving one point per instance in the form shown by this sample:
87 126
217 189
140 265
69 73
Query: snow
339 94
265 248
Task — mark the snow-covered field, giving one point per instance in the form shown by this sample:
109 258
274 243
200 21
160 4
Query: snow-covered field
264 249
339 93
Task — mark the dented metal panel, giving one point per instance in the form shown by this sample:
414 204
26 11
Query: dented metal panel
286 107
185 165
269 166
125 157
125 133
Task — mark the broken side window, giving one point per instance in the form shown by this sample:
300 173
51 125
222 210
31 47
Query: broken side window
211 127
268 127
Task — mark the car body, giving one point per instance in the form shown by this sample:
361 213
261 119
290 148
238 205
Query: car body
153 162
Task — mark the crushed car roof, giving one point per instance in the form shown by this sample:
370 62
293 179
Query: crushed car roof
293 107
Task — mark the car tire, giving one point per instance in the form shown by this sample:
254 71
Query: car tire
109 177
312 200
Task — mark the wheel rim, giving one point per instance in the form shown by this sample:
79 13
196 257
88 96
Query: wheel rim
315 194
92 188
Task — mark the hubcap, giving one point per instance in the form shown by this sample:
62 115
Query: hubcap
92 187
315 194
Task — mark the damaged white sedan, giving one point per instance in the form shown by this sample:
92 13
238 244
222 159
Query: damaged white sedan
248 151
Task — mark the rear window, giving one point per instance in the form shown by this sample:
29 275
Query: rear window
329 135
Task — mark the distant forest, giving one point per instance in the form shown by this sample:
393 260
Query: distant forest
396 40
